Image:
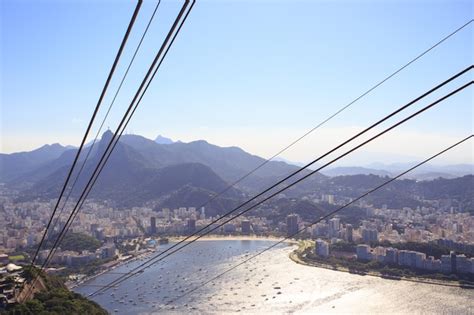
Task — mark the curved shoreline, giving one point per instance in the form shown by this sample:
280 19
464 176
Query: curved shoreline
175 240
231 238
294 256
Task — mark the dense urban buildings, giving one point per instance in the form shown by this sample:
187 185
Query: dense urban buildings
22 224
292 224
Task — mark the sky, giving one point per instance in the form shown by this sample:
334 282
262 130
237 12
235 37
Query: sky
253 74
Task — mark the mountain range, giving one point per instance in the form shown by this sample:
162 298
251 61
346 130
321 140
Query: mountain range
141 170
424 172
171 174
15 164
163 140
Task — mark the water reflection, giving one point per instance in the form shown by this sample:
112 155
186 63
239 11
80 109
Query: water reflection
271 283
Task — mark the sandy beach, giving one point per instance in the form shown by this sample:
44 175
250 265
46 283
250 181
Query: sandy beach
232 238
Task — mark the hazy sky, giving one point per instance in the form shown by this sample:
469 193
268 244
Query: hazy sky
254 74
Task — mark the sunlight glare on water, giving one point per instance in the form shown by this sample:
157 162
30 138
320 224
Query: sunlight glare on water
271 283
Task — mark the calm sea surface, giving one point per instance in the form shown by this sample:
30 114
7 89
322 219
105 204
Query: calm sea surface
270 284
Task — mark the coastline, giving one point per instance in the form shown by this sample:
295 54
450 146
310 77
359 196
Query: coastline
175 239
232 238
295 257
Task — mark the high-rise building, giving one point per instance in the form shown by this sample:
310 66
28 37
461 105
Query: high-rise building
407 258
292 224
363 252
349 233
191 226
420 260
446 264
432 264
454 268
463 264
391 256
378 253
108 251
369 235
245 227
322 248
334 227
328 198
152 225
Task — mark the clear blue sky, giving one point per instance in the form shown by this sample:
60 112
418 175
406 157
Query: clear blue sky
255 74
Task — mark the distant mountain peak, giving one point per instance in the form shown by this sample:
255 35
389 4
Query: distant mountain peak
163 140
49 146
201 142
107 135
18 163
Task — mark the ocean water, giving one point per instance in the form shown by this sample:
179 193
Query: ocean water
269 284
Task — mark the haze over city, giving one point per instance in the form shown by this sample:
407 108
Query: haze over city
221 157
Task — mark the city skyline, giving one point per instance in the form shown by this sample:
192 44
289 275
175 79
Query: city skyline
318 153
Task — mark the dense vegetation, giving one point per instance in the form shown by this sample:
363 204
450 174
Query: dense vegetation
57 299
156 172
400 193
87 269
78 242
190 196
72 241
